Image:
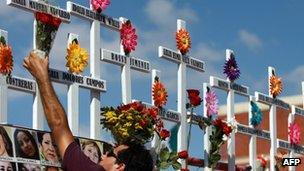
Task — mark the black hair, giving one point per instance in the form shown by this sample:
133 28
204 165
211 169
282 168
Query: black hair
19 152
7 141
136 158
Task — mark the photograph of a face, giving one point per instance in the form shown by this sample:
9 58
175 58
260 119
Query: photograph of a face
7 166
26 148
28 167
92 149
6 145
48 150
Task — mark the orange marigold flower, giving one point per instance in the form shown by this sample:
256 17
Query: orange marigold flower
183 41
159 94
276 86
6 59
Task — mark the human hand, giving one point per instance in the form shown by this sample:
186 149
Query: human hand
37 66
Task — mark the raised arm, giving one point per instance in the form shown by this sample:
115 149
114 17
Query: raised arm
54 112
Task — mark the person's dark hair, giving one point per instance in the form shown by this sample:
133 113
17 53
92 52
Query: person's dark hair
88 142
106 147
136 158
19 152
7 141
40 136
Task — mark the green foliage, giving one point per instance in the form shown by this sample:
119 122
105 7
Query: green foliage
167 159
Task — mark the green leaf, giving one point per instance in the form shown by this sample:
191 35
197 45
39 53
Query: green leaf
173 156
164 165
176 166
164 154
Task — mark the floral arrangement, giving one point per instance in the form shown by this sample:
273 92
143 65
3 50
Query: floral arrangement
46 29
257 114
6 57
294 133
219 134
276 86
261 163
183 41
77 57
231 68
100 5
128 37
159 93
136 123
220 130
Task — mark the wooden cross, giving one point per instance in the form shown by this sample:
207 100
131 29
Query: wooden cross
126 63
273 103
231 89
183 62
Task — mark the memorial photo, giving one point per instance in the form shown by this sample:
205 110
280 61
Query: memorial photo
47 149
91 149
28 167
25 144
6 146
7 166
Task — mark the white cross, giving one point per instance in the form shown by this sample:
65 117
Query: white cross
96 21
231 89
183 61
169 115
38 6
126 63
273 103
283 144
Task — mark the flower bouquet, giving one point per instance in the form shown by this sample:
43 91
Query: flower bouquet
46 29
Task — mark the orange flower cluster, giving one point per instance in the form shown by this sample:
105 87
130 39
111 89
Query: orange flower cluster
276 86
183 41
159 94
6 59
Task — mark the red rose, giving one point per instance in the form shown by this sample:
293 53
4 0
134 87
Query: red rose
194 98
183 154
226 129
185 169
153 112
218 122
56 22
164 134
43 17
142 123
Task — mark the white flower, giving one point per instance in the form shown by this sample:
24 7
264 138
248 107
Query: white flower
225 137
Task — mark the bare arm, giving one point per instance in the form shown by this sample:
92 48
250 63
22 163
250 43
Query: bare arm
54 112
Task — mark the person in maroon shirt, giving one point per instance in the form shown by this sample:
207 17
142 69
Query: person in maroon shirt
127 157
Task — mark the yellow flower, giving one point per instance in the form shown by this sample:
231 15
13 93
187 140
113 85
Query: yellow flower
77 58
276 85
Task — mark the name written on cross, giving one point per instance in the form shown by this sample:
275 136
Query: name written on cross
20 83
32 5
286 145
252 131
83 81
82 11
177 57
226 85
268 100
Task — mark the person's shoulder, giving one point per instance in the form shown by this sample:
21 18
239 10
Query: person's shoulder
75 160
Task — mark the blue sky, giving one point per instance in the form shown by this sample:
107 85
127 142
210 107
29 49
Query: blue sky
261 34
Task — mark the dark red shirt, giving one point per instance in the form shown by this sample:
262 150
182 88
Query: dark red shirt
75 160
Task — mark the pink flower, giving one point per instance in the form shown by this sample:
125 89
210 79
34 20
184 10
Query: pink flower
100 5
128 37
294 133
211 103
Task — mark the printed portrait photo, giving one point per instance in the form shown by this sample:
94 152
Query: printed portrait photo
25 144
28 167
7 166
92 149
48 149
6 145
